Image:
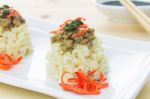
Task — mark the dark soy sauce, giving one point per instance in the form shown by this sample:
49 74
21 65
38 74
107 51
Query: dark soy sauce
117 3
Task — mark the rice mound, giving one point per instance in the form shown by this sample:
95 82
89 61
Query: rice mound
15 42
81 57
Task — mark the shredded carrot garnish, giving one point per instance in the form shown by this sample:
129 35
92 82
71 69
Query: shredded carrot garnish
80 18
62 25
6 61
90 73
83 28
12 13
80 33
83 84
67 21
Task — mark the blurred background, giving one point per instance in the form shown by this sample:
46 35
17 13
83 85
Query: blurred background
56 11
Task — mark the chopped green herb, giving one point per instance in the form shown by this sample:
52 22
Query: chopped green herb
5 13
6 6
76 23
70 27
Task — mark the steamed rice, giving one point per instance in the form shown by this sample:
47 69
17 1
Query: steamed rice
81 57
15 42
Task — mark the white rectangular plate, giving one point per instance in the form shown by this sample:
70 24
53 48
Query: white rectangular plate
128 61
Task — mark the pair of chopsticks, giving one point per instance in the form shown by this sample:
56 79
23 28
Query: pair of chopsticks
137 14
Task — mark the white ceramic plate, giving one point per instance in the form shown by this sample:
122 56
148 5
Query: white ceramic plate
128 62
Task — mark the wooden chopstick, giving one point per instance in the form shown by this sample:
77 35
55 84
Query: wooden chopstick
137 14
138 11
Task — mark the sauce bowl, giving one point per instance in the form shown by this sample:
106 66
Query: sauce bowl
120 14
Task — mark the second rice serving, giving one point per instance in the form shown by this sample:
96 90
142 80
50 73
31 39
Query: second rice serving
70 52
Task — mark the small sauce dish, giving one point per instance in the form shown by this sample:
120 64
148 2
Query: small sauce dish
118 13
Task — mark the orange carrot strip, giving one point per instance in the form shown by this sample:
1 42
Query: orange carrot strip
102 77
5 67
12 13
72 80
80 33
17 60
91 73
83 26
78 90
82 84
62 25
80 18
6 61
67 21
